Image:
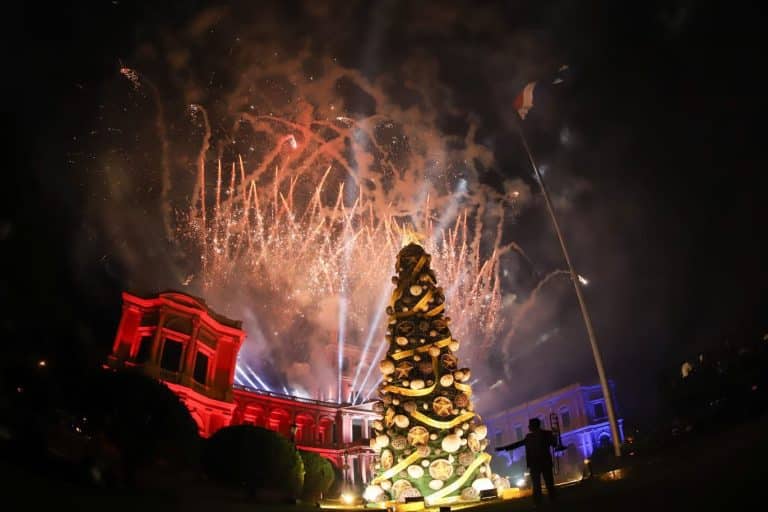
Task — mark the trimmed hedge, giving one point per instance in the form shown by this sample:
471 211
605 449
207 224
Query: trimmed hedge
260 461
318 476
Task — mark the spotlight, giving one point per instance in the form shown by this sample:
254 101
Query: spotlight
348 498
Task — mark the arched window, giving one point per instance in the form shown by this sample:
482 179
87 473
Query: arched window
565 418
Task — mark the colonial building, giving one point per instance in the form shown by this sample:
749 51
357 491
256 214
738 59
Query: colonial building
178 339
578 411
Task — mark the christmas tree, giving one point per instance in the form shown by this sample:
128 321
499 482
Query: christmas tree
429 441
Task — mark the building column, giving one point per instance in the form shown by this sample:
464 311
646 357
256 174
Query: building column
155 357
190 351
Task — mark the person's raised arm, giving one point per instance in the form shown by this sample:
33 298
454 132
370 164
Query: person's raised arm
516 444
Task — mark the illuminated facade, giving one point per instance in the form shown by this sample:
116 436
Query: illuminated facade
178 339
582 417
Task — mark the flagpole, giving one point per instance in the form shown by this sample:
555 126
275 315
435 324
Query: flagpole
582 303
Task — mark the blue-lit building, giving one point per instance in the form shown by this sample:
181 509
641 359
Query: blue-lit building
583 419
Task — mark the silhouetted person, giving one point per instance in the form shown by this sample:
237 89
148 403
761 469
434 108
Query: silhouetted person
537 456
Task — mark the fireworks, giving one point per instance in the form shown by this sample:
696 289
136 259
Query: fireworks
301 253
294 224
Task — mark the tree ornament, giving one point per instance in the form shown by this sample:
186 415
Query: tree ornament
466 458
399 486
417 384
401 340
451 443
481 431
399 443
409 492
386 458
448 361
436 485
440 469
446 380
389 417
442 406
472 442
387 366
415 471
418 435
402 370
401 421
415 290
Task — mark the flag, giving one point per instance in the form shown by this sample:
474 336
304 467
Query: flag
534 92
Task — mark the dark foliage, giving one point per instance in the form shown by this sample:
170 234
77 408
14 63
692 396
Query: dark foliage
260 461
318 476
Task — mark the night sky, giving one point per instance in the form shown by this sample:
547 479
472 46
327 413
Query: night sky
661 193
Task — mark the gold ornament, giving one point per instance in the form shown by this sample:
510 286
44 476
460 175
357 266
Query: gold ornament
382 440
401 340
403 369
461 400
399 486
440 469
448 361
401 421
389 417
453 346
481 431
417 384
442 406
473 443
417 436
409 406
399 443
433 351
446 380
386 366
416 290
386 459
466 458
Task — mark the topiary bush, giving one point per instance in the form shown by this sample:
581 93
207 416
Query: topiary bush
260 461
318 476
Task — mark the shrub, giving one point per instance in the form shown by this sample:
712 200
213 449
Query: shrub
260 461
318 476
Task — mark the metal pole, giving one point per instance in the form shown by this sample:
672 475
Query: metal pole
582 304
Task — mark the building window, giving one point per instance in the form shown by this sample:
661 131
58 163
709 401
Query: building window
201 368
498 438
171 355
145 348
357 429
518 432
565 419
599 410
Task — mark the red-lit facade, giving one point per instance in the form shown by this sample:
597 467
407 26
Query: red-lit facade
178 339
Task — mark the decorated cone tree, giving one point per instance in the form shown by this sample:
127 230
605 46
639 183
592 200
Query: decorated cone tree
429 441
